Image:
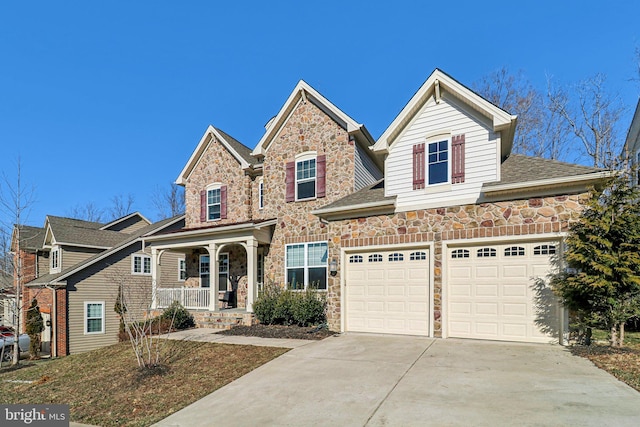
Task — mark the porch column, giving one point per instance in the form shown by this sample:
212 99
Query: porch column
154 278
252 272
213 276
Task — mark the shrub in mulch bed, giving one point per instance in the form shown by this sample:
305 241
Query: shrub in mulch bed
279 331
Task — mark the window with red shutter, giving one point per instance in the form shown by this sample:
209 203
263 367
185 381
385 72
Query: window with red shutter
321 185
223 202
203 206
457 159
290 181
418 166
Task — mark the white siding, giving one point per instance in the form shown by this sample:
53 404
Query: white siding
366 171
481 156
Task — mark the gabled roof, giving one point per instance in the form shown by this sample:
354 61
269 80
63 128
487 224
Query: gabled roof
238 150
109 225
75 232
127 241
304 92
434 86
31 238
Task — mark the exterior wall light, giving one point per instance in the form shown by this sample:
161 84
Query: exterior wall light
333 267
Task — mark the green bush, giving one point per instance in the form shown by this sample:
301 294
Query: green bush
182 319
277 306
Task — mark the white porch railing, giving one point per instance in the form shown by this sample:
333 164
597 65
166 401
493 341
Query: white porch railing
193 298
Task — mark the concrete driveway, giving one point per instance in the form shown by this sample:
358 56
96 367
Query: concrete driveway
374 380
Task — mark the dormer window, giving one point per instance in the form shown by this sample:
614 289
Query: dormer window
305 177
442 163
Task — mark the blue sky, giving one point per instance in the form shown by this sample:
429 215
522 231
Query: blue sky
100 99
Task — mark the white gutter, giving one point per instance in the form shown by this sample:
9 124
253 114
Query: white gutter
547 182
361 206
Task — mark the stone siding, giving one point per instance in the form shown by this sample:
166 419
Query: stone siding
218 165
487 220
307 129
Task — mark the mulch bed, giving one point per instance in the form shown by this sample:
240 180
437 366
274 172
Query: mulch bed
279 331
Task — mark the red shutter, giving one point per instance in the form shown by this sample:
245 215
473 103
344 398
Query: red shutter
321 181
203 206
457 159
223 202
418 166
290 181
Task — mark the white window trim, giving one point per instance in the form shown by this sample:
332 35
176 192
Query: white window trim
260 193
86 318
142 258
56 254
306 265
430 139
182 262
200 270
214 186
308 155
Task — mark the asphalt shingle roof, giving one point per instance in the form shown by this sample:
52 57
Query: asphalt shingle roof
73 231
239 147
31 238
518 168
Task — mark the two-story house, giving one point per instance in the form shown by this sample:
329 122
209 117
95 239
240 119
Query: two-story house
434 229
74 270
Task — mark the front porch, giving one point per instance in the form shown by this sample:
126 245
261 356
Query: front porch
221 270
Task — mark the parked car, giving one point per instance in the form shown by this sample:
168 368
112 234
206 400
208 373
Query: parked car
7 340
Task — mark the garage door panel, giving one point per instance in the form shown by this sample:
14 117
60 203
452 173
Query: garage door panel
489 271
493 297
390 296
487 290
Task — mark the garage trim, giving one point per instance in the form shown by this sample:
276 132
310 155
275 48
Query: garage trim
446 245
344 254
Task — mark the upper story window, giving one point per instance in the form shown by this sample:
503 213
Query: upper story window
442 163
213 203
305 177
141 264
55 260
260 193
438 162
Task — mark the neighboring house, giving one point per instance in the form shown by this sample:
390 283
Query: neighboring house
631 150
435 229
7 298
80 265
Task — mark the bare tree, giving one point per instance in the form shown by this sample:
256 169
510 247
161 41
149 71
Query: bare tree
15 203
593 115
121 206
168 202
87 212
540 132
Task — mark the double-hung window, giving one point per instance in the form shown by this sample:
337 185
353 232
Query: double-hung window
214 204
438 162
55 260
306 265
182 270
141 264
306 179
94 317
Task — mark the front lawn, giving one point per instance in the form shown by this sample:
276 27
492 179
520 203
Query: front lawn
623 363
105 387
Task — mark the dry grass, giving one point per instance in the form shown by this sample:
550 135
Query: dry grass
622 363
105 387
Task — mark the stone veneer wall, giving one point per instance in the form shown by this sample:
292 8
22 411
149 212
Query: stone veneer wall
500 219
218 165
307 129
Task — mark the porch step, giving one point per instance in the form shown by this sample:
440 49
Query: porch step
222 319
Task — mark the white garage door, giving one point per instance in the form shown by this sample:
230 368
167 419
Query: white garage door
498 292
388 292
